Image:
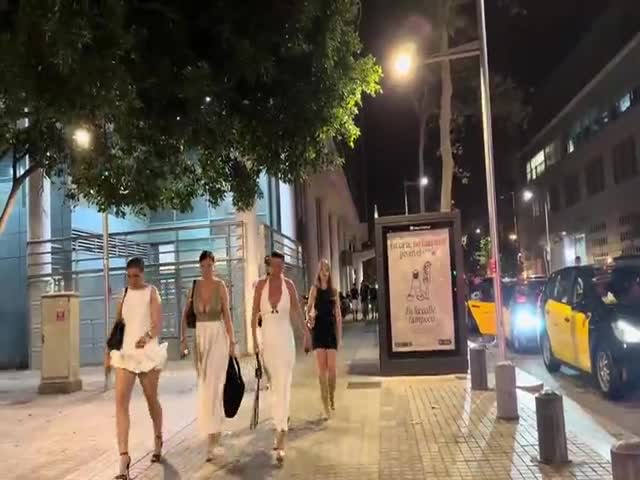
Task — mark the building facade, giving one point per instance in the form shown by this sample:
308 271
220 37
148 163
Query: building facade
49 245
581 171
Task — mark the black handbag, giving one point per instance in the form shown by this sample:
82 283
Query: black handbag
233 388
116 338
191 313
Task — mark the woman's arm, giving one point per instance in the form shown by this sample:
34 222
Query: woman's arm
226 315
338 320
296 309
255 311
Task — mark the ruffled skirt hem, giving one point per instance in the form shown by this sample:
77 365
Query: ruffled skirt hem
151 357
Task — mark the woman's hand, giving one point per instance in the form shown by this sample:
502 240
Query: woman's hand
183 346
232 348
142 341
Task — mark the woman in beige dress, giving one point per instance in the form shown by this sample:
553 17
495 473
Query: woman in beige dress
214 342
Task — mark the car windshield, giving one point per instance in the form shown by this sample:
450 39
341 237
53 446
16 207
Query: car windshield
530 290
484 292
618 284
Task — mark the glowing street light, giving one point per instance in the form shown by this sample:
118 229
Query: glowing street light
513 237
527 195
424 181
478 231
82 138
404 60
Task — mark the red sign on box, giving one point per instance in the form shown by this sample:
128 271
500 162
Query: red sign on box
59 315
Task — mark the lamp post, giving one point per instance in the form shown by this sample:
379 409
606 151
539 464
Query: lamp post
421 184
82 139
527 196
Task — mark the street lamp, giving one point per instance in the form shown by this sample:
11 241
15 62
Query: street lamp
527 196
403 61
513 237
82 138
478 231
422 183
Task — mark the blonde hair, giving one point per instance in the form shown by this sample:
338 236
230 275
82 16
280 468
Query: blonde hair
318 282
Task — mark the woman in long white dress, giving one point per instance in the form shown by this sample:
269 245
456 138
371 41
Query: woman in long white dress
276 302
214 342
141 356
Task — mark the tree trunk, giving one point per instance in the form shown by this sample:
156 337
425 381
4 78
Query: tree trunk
423 134
13 196
446 150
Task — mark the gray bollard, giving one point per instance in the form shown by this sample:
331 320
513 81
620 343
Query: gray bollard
506 396
625 460
552 437
478 367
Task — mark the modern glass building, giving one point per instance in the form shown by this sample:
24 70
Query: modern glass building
50 245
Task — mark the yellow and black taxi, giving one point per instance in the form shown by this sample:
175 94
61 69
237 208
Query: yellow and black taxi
592 323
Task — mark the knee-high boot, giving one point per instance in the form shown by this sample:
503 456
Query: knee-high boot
324 393
332 391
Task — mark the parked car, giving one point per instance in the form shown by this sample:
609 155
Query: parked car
482 308
592 323
523 320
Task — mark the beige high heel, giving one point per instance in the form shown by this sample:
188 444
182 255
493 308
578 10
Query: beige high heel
214 441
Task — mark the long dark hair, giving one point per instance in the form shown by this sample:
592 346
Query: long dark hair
318 281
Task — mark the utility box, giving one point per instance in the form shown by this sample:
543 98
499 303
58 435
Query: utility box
60 343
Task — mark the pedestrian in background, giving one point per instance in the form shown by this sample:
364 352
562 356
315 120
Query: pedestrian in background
325 323
141 357
364 300
373 298
276 301
355 294
214 342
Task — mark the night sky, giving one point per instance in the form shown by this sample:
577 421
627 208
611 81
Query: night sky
526 48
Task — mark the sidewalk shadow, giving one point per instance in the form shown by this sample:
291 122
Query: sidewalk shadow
169 472
257 460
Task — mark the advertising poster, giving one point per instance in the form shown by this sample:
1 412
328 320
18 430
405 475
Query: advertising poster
420 291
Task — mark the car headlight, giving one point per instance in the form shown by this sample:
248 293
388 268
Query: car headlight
626 332
526 320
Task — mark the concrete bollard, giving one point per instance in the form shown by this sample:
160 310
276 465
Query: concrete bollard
552 437
506 396
625 460
478 368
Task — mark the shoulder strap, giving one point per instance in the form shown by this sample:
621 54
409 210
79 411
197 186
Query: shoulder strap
124 295
193 288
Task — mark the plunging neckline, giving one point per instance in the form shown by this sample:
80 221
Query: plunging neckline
204 306
277 304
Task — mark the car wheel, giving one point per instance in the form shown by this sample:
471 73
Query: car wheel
608 375
550 362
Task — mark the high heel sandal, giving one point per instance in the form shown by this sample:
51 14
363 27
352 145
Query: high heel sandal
125 475
157 454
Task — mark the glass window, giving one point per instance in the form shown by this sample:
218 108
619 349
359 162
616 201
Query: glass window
550 154
578 293
624 103
571 190
563 289
595 176
536 166
571 145
625 165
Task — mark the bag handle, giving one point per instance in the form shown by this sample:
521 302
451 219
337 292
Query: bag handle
124 295
258 367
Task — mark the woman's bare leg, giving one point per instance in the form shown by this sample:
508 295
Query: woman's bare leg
124 385
149 382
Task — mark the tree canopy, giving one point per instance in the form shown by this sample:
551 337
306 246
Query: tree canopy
179 99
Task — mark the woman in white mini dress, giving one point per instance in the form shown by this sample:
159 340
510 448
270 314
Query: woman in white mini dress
214 342
276 302
141 356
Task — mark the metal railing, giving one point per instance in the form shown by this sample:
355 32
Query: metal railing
75 263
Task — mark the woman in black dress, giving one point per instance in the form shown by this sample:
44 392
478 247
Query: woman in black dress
325 323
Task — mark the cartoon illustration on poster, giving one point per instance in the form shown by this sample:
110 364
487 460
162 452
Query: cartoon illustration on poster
420 291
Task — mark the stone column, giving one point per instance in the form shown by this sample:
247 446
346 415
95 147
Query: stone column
335 252
311 226
324 230
253 257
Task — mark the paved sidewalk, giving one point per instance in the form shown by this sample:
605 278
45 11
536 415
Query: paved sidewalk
385 428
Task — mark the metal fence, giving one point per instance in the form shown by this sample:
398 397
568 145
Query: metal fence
293 256
75 263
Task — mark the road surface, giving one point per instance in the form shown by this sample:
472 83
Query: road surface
618 418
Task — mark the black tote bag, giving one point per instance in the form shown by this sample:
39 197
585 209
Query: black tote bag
233 388
116 338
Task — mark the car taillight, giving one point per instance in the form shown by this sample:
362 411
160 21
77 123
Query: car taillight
521 299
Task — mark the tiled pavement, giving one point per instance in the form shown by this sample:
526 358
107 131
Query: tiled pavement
400 428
